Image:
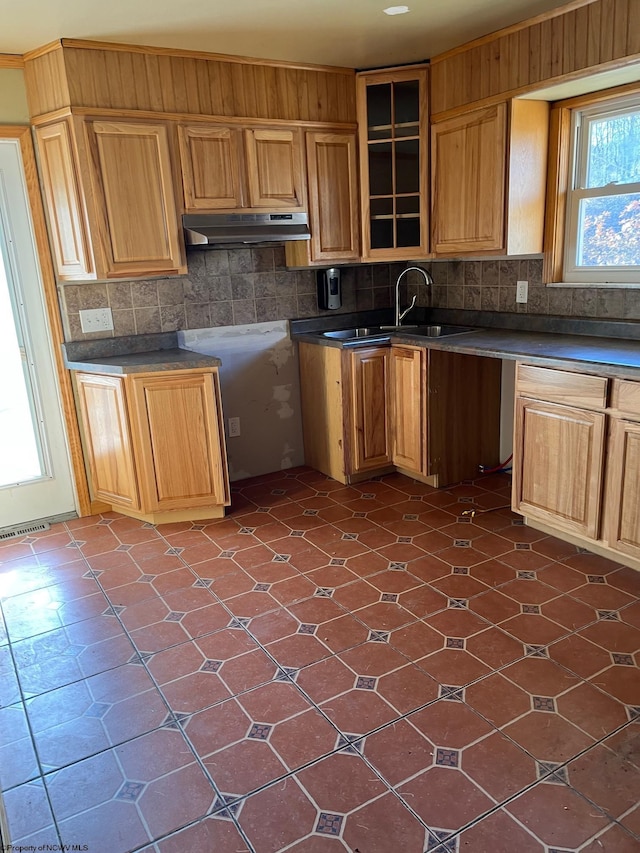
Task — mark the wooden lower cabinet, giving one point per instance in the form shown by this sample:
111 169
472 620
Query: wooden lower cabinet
408 408
154 443
345 410
623 490
108 448
432 415
559 471
445 413
577 467
369 388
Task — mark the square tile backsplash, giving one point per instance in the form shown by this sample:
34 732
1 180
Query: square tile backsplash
244 286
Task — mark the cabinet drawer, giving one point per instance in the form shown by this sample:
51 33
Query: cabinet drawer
560 386
625 396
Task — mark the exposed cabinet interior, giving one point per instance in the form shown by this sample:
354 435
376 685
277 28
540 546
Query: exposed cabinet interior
154 443
110 197
488 179
392 119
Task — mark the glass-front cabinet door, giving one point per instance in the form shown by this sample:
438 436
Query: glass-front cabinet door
392 120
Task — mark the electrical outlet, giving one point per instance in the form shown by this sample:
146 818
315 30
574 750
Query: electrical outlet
522 291
234 427
96 320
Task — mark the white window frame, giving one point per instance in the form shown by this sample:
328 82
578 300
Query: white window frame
581 120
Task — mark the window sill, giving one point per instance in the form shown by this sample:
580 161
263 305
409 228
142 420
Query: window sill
599 285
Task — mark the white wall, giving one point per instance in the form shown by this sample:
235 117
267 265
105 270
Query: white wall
13 97
260 385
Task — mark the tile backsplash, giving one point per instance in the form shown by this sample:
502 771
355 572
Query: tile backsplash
491 286
222 288
244 286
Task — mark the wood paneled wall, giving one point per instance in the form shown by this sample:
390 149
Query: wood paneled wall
582 35
84 74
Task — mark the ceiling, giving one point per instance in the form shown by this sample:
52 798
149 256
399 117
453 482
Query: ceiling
354 33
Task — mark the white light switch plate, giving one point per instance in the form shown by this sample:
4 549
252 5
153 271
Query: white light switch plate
522 291
96 320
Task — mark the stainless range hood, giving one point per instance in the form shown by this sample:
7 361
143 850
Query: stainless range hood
218 230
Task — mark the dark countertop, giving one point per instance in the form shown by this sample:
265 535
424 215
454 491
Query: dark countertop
146 362
594 354
134 354
608 350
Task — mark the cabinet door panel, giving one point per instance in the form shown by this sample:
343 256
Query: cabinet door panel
369 383
409 425
559 465
623 488
108 439
274 169
67 222
333 196
210 158
469 155
394 163
176 422
133 172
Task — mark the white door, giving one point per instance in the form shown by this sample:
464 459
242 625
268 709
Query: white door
35 471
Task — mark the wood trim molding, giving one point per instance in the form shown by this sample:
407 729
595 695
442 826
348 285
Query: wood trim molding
86 44
513 28
11 60
191 118
23 134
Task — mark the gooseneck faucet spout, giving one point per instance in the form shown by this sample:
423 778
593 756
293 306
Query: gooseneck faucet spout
400 315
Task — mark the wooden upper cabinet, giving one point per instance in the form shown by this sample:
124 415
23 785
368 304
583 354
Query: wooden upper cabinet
333 196
135 204
469 156
488 179
109 191
63 199
211 172
392 119
274 169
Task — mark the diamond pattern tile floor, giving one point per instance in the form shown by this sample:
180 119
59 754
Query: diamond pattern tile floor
377 667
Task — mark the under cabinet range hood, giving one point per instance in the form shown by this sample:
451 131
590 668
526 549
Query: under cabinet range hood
218 230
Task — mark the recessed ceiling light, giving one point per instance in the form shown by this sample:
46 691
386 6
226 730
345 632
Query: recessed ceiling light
396 10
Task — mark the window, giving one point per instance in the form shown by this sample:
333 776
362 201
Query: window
602 219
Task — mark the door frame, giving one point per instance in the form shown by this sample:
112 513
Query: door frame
50 297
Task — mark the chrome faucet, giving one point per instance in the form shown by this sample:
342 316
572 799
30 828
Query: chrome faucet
399 316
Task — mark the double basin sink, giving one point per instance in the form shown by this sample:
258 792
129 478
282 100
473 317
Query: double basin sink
363 334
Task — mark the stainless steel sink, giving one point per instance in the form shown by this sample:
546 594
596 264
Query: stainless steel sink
435 331
357 334
383 333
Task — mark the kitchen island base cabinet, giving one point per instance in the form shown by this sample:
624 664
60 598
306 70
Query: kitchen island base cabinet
154 443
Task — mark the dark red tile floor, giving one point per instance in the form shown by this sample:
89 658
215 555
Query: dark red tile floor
364 668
